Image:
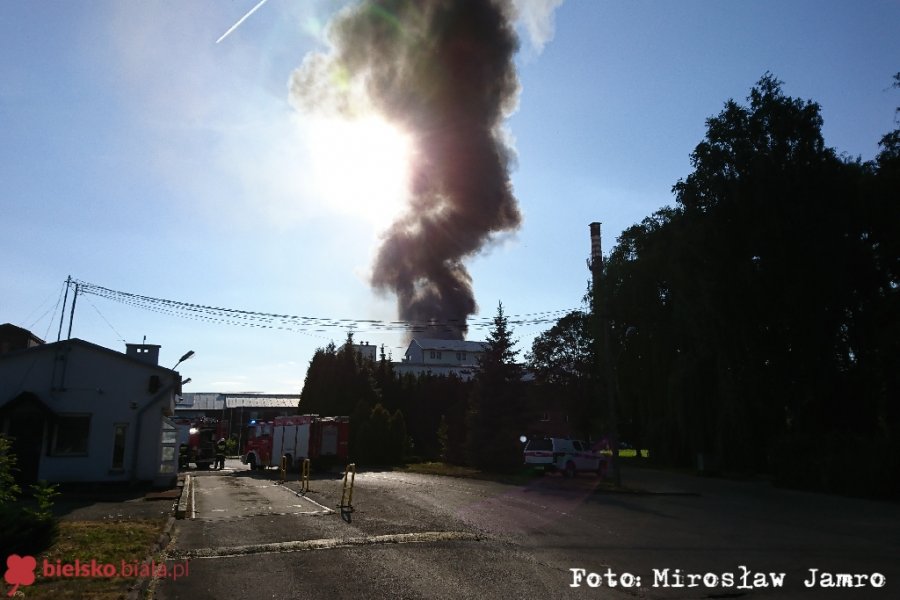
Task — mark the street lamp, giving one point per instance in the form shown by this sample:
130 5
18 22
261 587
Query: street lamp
186 356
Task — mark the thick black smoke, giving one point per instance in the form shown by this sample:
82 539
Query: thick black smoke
443 71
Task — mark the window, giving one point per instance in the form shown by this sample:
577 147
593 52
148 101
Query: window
168 456
70 435
540 445
118 453
545 417
461 356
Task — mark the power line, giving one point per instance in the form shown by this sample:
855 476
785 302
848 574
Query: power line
50 324
122 339
307 325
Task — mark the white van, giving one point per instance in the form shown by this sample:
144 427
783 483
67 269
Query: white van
567 456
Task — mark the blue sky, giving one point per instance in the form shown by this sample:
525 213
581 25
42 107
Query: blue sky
139 155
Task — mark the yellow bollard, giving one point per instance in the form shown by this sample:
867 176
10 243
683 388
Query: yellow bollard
304 476
346 504
283 468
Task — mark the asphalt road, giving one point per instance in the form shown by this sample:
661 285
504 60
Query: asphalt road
419 536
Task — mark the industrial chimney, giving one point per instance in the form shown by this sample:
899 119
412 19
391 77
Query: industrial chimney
596 261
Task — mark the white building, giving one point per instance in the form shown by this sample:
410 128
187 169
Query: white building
367 351
441 357
78 412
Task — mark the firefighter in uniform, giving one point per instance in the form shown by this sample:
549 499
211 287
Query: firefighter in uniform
220 454
183 456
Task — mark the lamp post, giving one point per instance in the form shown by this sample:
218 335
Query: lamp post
184 357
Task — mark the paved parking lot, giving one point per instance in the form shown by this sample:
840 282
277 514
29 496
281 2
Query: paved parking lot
420 536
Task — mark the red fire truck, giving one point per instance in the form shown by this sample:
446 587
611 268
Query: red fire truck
297 437
197 440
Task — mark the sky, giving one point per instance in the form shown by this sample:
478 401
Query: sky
139 155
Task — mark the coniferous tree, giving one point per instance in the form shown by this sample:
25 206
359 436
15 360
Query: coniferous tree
497 415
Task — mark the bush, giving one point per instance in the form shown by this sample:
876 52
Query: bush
25 528
23 531
838 463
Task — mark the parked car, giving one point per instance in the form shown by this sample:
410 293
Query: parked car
564 455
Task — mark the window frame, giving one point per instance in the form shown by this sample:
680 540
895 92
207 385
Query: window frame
120 465
53 449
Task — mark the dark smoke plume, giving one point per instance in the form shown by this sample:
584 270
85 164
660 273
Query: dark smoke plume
441 70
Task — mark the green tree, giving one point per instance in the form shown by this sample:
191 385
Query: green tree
397 445
497 414
336 380
561 359
766 301
24 529
8 487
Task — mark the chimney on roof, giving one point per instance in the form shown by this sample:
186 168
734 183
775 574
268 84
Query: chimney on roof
146 353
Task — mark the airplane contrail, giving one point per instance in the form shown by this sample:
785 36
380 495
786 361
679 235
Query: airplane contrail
241 20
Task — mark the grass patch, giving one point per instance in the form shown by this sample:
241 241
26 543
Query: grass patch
107 542
628 453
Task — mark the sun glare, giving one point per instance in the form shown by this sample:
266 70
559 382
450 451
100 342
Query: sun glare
361 168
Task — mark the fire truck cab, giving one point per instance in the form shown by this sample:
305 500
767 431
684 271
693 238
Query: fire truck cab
296 437
197 441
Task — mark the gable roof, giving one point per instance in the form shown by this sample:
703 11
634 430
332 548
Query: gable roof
76 342
11 332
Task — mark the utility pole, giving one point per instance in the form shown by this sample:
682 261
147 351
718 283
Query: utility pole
72 314
604 360
62 315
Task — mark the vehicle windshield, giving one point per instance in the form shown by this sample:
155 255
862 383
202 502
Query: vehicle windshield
540 444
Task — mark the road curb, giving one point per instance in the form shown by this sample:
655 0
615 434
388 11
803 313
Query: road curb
184 500
140 586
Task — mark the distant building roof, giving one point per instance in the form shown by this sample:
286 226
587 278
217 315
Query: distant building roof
13 338
263 401
196 401
214 401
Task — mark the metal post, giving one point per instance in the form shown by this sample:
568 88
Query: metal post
304 476
283 467
601 329
346 504
72 314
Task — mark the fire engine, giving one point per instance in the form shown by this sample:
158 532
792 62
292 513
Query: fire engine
197 440
296 437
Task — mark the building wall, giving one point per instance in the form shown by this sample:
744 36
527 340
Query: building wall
72 380
461 357
367 351
403 368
